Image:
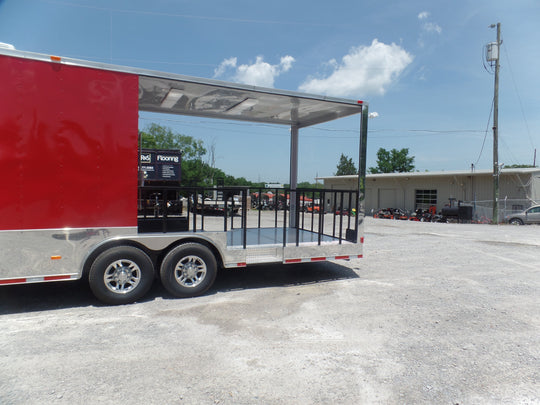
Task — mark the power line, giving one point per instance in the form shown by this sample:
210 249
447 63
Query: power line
518 96
403 133
512 157
188 16
486 132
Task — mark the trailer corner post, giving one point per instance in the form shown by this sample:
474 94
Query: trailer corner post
293 176
361 206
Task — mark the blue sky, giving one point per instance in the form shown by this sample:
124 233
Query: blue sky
418 63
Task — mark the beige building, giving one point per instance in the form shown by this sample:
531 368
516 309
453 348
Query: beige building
518 189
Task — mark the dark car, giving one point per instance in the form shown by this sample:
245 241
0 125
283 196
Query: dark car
529 216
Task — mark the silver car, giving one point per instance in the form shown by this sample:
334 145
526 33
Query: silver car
529 216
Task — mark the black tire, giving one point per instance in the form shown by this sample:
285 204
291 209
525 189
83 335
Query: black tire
121 275
515 221
188 270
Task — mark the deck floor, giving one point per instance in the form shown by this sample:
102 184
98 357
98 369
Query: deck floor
274 236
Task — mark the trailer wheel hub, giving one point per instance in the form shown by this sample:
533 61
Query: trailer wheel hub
190 271
122 276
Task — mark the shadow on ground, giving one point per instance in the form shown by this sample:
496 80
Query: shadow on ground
60 295
279 275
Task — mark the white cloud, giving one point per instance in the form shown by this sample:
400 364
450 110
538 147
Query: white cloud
428 27
259 73
421 74
365 70
223 66
286 63
432 27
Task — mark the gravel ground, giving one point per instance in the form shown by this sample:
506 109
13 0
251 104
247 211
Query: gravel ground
433 314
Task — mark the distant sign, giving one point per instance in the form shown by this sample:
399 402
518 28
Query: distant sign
162 165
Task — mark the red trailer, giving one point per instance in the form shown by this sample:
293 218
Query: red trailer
69 157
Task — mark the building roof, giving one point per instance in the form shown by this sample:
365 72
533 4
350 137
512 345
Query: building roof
532 170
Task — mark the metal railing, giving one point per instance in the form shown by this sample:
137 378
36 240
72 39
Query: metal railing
326 213
165 203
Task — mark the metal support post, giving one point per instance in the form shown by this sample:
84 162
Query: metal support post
293 176
496 132
360 206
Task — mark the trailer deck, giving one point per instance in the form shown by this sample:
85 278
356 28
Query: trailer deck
275 237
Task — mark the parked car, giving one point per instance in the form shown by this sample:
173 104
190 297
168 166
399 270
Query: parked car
529 216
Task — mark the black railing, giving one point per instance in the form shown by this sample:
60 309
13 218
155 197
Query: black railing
316 205
342 205
178 209
169 209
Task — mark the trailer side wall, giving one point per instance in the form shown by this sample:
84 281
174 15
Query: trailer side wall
68 146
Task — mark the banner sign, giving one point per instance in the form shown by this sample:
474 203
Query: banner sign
162 165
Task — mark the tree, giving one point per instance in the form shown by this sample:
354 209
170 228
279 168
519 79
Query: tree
194 170
394 161
198 162
518 166
345 166
159 137
307 184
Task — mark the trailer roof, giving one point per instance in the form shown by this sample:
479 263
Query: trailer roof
185 95
201 97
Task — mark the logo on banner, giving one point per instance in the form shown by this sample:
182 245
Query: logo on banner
146 158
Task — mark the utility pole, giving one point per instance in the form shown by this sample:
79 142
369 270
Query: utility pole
496 127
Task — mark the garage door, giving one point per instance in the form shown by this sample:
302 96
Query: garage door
387 198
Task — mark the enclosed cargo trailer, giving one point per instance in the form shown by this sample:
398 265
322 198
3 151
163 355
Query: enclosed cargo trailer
71 203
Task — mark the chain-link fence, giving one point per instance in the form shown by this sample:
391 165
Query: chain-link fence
483 210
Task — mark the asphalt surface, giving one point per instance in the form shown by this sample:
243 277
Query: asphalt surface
433 314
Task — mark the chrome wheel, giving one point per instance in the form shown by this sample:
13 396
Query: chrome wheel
190 271
122 276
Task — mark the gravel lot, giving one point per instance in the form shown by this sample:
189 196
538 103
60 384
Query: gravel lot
434 314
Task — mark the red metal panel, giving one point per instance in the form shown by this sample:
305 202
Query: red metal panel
68 146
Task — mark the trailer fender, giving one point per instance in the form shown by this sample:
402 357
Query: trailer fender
107 244
215 250
156 247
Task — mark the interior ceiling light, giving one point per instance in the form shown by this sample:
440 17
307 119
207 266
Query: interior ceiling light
243 106
171 98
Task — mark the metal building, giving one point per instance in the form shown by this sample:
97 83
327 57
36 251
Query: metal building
518 189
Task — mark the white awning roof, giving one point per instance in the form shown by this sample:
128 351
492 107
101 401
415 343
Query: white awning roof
175 94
